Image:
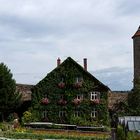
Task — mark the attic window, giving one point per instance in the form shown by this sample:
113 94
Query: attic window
62 79
94 95
45 96
78 79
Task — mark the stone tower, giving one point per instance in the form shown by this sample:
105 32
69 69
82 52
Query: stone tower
136 54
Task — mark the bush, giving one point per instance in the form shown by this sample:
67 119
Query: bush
120 133
5 126
78 121
27 117
131 136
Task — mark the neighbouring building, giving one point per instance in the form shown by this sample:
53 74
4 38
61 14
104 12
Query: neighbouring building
70 92
136 51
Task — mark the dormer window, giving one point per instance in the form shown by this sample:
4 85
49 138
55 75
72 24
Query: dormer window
94 95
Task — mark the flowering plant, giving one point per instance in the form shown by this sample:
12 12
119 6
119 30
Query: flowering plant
95 101
45 101
76 101
62 102
61 85
78 84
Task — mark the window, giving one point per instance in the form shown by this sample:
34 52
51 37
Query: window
77 114
62 113
79 79
45 95
62 79
44 113
79 97
61 96
94 95
94 113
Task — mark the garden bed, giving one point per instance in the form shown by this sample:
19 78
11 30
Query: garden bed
40 134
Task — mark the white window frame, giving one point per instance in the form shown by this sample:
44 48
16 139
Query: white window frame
62 114
77 114
44 113
94 113
94 95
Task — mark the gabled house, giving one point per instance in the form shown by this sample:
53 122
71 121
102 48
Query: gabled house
70 94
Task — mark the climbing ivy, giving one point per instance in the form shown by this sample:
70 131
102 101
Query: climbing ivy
49 86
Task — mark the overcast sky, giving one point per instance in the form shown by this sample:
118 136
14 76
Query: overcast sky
34 33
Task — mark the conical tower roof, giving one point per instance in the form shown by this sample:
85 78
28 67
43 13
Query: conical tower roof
137 33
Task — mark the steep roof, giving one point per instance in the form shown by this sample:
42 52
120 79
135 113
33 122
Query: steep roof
137 33
69 59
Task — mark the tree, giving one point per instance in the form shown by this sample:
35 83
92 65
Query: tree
9 98
134 99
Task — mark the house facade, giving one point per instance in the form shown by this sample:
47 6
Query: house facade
70 94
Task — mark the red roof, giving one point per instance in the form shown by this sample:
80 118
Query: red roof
137 33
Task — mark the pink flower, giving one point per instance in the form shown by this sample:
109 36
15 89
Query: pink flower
95 101
62 102
61 84
78 85
76 101
45 101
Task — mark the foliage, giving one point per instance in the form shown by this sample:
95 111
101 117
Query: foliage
134 99
27 117
57 135
50 87
9 98
131 136
5 126
120 133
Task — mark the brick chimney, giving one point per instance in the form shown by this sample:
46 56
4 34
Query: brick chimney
58 61
85 63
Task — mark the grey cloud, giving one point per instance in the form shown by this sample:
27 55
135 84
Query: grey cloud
116 78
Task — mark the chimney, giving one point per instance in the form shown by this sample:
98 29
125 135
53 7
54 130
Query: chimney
58 61
85 63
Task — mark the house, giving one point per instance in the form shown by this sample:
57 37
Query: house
70 94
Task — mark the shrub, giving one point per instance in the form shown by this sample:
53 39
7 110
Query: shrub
131 136
27 117
120 133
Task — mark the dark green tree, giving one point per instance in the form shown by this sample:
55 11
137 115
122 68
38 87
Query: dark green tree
9 98
134 99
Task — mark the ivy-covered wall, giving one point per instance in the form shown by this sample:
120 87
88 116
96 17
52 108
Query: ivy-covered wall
57 96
